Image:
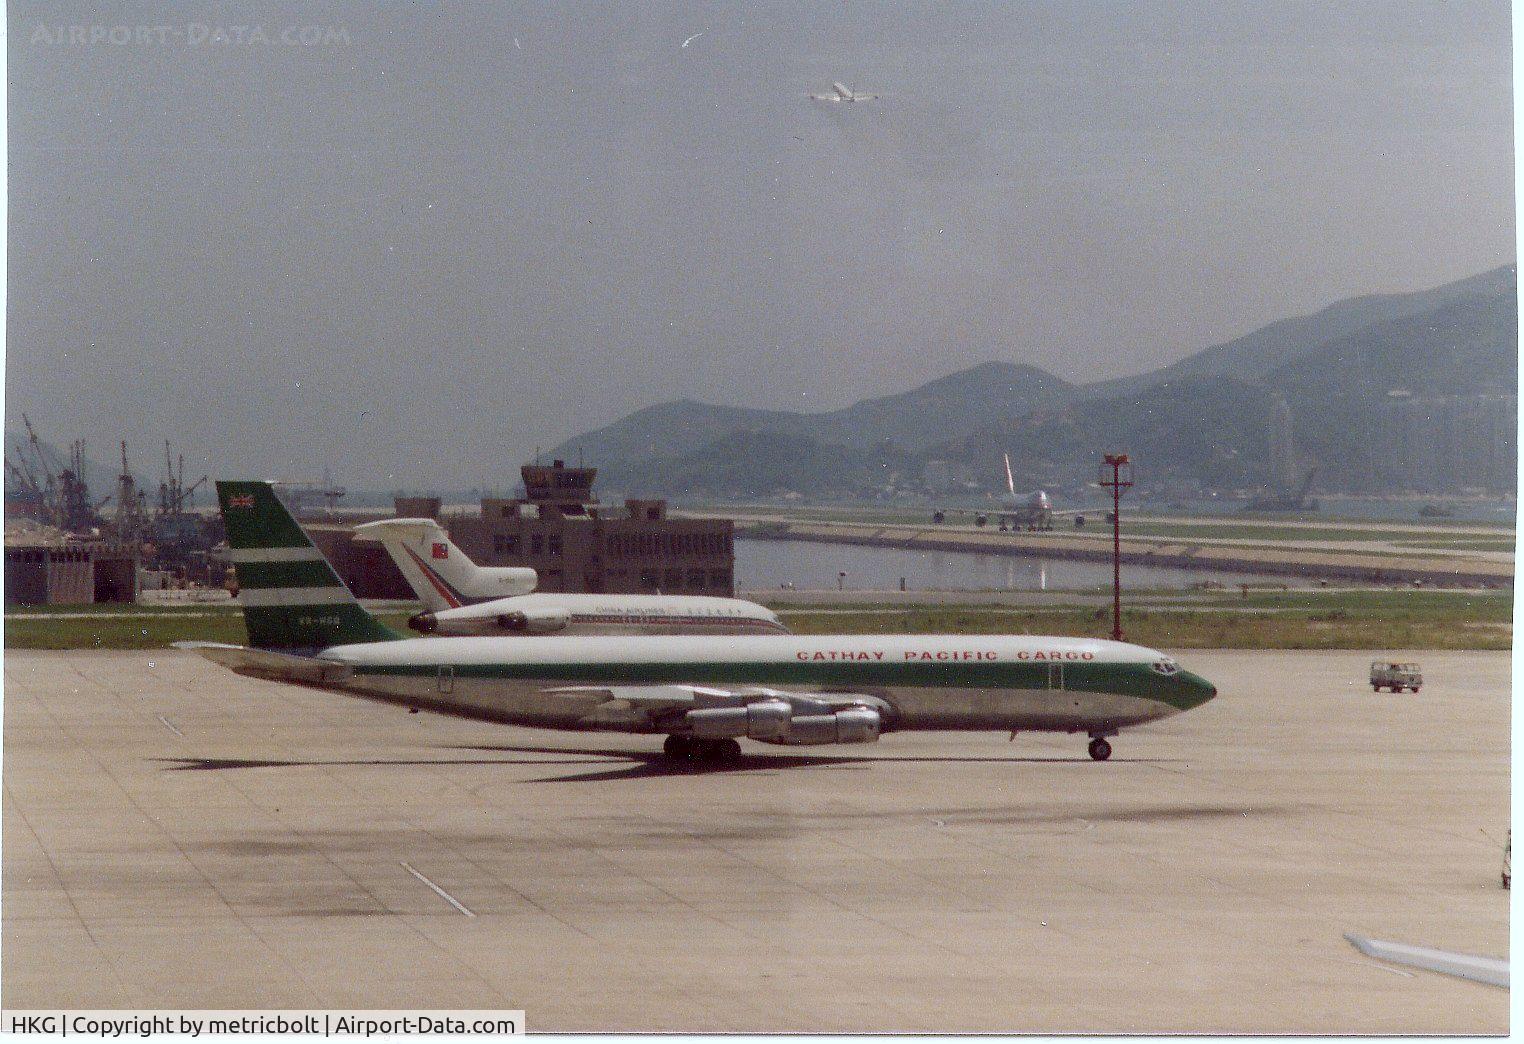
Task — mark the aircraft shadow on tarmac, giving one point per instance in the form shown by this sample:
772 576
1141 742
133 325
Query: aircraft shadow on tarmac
644 764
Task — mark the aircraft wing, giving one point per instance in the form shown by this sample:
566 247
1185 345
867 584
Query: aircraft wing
648 697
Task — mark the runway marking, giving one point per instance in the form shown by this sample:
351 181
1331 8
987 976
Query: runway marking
171 726
446 896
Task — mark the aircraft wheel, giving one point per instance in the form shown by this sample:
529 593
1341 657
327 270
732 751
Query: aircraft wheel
714 751
678 748
1100 750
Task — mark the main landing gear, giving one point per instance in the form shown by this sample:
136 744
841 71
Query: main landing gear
1100 750
686 748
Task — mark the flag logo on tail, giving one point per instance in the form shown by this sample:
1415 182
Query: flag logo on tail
241 502
441 551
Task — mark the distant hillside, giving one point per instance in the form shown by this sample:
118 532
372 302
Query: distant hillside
1464 346
946 407
1275 347
757 463
1204 419
1210 429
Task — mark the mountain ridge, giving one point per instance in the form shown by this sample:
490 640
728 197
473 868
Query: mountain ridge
1336 364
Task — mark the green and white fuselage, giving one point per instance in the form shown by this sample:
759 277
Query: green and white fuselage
637 684
704 692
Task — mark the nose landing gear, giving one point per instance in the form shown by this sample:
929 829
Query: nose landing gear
1100 750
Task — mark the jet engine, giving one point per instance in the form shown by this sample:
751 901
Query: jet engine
851 725
535 621
773 721
764 719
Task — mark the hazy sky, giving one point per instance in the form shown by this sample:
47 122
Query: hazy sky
412 242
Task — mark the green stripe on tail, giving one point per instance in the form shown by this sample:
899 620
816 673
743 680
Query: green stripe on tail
292 598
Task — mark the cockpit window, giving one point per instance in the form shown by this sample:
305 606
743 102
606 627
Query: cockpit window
1166 666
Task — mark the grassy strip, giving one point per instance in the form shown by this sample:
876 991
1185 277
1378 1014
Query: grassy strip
1334 629
119 609
1459 545
121 631
1265 620
1432 604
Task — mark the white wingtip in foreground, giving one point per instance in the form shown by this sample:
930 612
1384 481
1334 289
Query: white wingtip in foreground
1492 971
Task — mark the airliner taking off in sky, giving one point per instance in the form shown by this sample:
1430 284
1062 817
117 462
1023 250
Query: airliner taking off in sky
703 692
462 598
842 93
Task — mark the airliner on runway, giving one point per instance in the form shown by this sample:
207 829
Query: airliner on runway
462 598
1030 511
703 693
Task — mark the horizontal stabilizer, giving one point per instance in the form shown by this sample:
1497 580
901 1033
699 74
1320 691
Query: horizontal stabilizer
272 666
375 532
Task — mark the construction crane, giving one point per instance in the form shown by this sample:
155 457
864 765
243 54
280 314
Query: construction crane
175 497
130 504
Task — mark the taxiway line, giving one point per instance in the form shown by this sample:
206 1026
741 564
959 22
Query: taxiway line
446 896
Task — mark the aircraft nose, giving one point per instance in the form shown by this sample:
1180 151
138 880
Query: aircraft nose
1197 690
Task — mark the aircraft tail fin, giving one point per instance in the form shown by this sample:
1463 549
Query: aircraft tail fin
441 574
291 596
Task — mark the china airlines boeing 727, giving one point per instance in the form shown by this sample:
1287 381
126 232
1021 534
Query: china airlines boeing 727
462 598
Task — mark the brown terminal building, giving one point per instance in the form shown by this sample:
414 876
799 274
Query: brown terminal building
559 529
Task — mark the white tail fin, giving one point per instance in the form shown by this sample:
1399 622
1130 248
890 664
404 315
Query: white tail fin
1010 483
438 571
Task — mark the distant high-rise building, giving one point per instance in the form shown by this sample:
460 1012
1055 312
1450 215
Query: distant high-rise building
1283 474
1481 443
1447 443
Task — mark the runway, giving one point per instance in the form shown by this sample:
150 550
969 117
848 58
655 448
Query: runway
176 836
